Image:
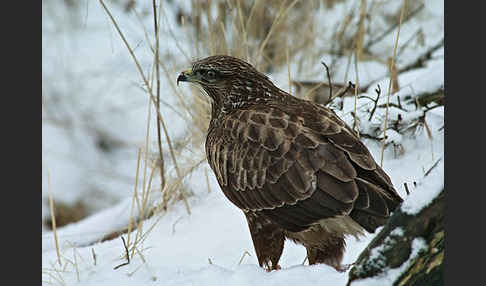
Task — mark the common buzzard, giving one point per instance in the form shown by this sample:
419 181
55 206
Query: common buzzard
294 168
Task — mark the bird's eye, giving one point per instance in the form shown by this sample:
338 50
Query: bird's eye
211 74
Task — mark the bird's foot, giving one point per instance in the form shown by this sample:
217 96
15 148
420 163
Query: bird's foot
343 267
276 267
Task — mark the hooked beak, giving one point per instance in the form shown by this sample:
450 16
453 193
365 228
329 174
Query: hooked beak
185 76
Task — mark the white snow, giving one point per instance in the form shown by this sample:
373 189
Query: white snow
92 90
427 189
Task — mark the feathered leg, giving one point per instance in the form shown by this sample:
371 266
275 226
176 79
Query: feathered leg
268 240
330 253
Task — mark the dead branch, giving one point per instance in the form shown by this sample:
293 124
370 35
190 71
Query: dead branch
433 166
406 188
405 45
365 135
94 255
391 104
423 58
378 93
342 91
127 255
328 78
426 98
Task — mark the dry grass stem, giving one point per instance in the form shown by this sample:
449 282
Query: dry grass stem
243 256
175 223
55 275
391 28
53 218
135 197
281 14
76 265
141 255
392 62
156 61
356 122
174 38
159 115
148 86
147 136
143 210
223 32
207 179
129 274
357 58
186 203
244 33
288 65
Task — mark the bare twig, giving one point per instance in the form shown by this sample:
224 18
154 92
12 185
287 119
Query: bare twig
365 135
174 224
378 93
399 101
433 166
94 255
406 188
427 128
391 104
433 107
127 255
328 78
342 91
423 58
405 45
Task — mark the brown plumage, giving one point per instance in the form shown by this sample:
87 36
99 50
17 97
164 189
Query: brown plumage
294 167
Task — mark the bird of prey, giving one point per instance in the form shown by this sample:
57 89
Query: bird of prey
295 169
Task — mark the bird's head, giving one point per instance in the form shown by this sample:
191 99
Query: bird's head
229 81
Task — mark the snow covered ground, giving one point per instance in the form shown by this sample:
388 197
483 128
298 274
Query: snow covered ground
91 92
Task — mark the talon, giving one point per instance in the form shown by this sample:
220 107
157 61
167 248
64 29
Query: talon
276 267
344 267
